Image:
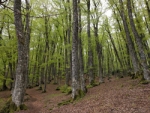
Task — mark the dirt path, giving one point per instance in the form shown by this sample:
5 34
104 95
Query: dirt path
118 96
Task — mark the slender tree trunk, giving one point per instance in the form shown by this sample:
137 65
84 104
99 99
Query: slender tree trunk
21 71
81 64
122 34
138 39
46 56
27 35
4 87
142 32
75 76
68 70
98 44
130 44
90 54
115 49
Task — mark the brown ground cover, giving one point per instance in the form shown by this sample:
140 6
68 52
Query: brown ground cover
116 96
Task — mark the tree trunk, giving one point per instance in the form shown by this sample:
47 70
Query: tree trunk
130 44
138 39
90 54
21 71
81 64
4 87
75 76
122 34
115 49
27 42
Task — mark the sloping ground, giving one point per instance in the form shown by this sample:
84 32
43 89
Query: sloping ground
118 96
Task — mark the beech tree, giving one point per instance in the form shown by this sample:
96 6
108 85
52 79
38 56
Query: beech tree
74 40
75 73
138 39
90 54
23 48
80 48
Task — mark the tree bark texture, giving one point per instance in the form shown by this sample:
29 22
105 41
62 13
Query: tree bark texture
80 48
138 39
130 44
90 55
27 42
75 75
21 71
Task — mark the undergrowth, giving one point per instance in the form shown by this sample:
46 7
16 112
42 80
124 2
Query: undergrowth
10 107
64 89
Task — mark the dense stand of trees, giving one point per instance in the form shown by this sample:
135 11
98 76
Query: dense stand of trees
47 40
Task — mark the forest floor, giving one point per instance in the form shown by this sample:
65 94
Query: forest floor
123 95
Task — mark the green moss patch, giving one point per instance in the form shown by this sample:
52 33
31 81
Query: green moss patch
144 82
2 104
64 89
92 85
66 102
10 107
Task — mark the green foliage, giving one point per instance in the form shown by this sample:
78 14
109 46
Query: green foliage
2 104
92 85
64 89
66 102
10 107
144 82
80 95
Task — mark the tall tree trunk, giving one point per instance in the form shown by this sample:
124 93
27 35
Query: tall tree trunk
115 49
81 64
130 44
138 39
68 70
4 87
140 26
98 44
90 54
27 42
122 34
21 71
75 76
46 55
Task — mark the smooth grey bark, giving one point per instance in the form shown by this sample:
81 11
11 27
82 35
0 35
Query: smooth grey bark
75 76
138 39
130 44
68 51
142 32
46 50
21 71
80 49
90 54
27 42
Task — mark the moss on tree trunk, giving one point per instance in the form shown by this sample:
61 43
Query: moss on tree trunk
10 107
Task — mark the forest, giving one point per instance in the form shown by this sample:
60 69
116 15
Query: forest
77 47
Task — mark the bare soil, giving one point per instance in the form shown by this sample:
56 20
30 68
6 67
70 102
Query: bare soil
116 96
